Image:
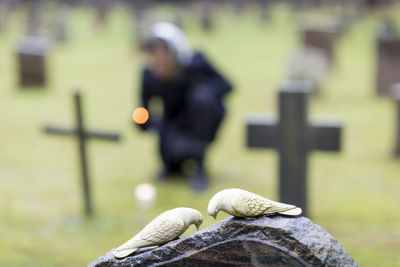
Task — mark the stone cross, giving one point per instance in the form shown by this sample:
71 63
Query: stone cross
293 136
388 58
82 135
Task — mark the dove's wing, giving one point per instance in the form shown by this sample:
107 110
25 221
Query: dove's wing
247 204
159 231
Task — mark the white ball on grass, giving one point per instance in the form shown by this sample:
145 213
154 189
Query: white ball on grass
145 194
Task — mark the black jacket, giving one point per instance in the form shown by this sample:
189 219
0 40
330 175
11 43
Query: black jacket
197 82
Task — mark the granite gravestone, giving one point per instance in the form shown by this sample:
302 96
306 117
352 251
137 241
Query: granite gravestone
261 241
388 58
293 136
82 136
32 56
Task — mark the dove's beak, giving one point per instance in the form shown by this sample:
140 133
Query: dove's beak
198 224
215 214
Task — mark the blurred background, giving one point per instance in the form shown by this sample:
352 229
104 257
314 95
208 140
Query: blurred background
93 46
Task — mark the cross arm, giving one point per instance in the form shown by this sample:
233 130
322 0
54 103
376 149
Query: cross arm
325 136
59 131
112 136
262 132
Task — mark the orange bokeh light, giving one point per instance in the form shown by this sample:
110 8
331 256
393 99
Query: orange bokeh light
140 115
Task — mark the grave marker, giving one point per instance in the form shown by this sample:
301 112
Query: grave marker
33 26
260 241
263 6
61 23
378 3
3 16
293 136
207 21
82 135
102 9
140 20
388 58
321 36
395 91
32 52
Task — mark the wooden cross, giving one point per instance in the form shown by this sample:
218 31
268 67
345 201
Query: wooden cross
82 136
294 137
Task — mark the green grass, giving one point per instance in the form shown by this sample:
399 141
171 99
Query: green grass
354 194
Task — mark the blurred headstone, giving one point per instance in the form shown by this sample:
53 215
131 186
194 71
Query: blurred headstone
33 26
293 136
180 8
238 6
261 241
207 21
309 64
395 92
388 61
140 17
321 36
61 23
298 5
263 6
102 9
32 56
378 3
351 11
3 16
82 135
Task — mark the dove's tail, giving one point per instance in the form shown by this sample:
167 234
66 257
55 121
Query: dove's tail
123 252
292 212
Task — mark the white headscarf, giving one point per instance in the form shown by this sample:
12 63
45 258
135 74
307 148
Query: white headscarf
175 39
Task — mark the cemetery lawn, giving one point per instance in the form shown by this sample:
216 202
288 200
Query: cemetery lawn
354 194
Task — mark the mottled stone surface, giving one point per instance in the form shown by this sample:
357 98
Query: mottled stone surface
261 241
